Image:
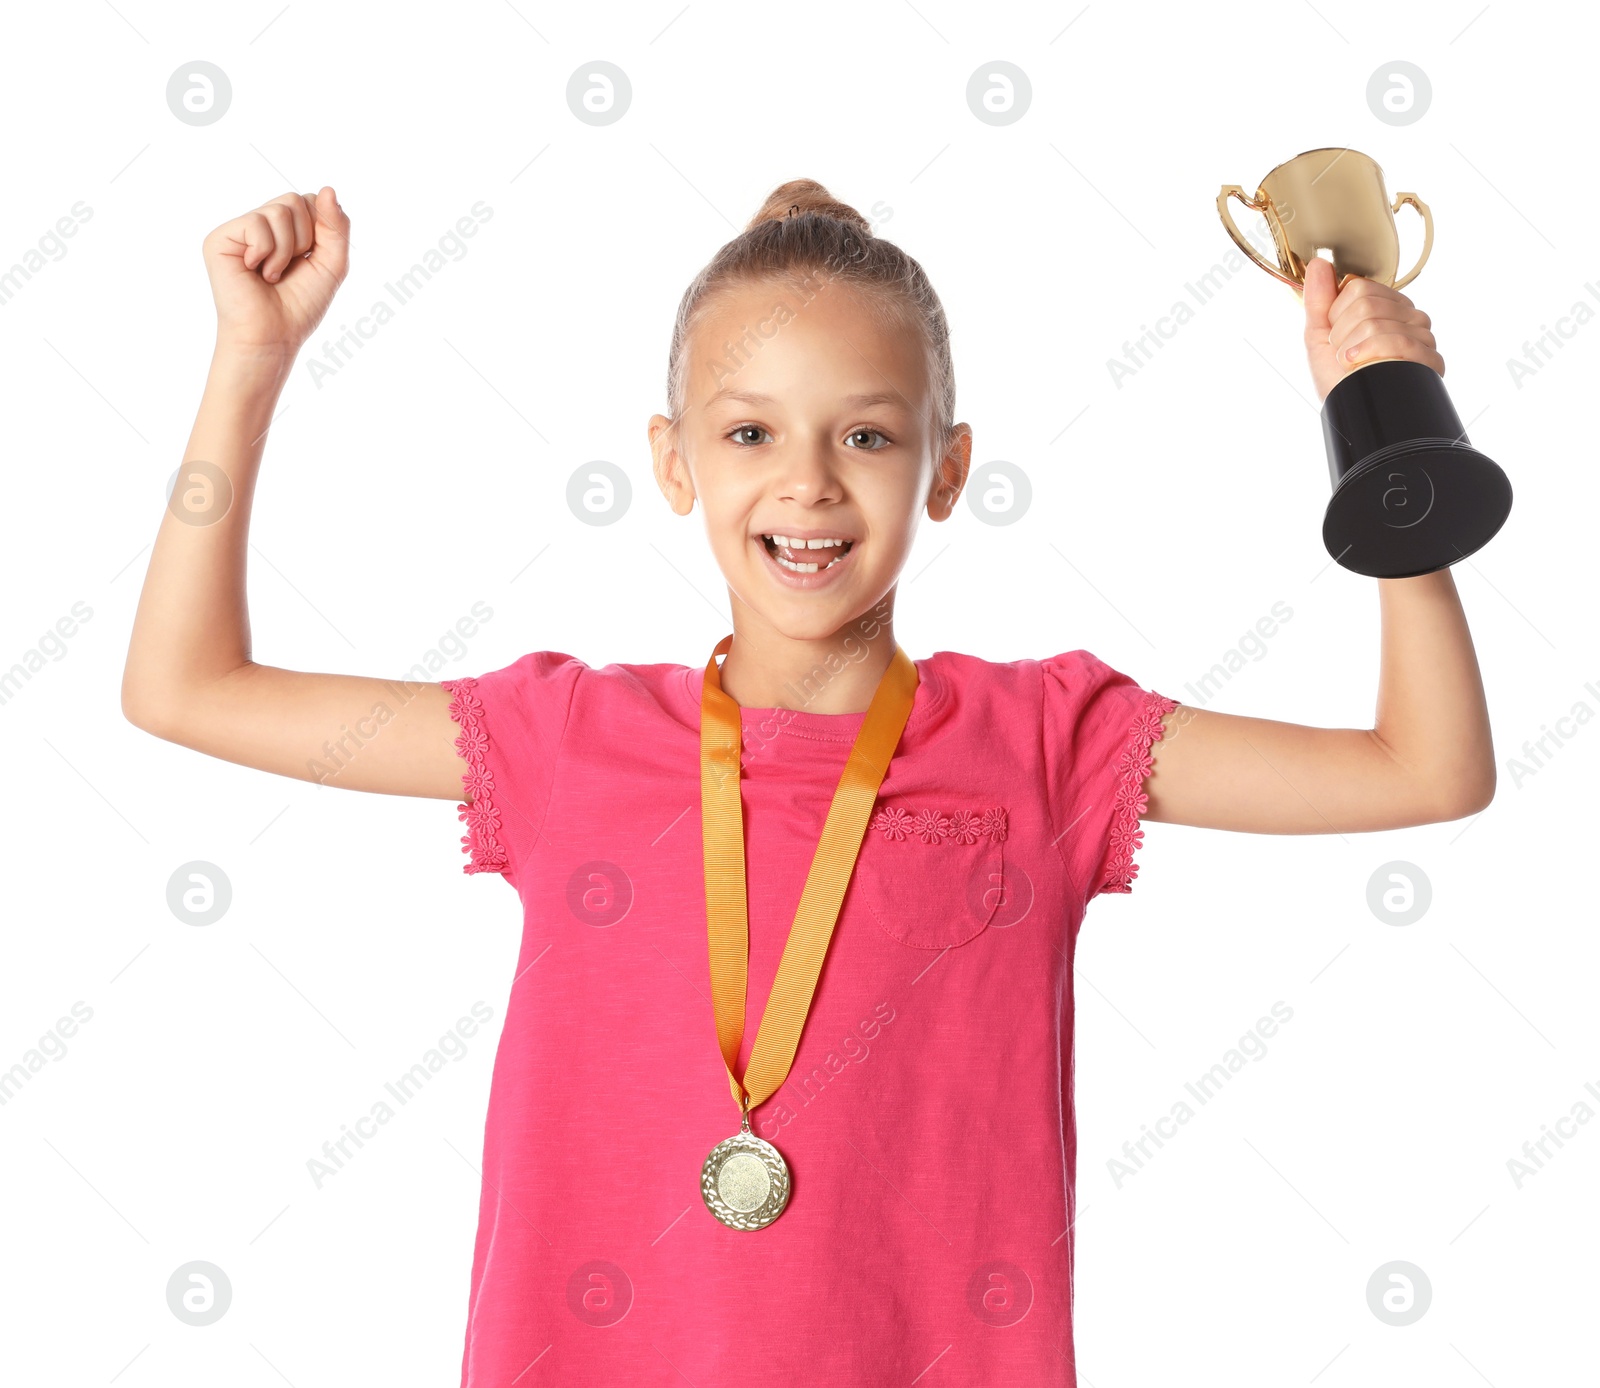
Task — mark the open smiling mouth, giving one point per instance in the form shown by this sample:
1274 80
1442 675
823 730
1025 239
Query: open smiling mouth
806 556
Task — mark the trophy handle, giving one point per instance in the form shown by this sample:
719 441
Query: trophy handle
1400 199
1233 190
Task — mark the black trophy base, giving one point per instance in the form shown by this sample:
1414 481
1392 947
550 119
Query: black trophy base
1411 495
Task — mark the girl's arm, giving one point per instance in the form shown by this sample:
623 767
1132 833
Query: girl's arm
1428 755
189 677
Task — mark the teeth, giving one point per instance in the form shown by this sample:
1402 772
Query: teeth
792 543
789 543
805 568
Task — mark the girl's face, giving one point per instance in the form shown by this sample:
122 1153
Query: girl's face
808 438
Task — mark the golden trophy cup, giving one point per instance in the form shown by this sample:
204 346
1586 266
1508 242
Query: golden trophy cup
1410 493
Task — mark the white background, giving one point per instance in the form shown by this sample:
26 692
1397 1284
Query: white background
430 471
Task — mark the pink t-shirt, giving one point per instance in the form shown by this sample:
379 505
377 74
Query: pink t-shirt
927 1120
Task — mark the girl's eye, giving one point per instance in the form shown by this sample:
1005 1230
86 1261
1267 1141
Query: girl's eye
857 433
740 435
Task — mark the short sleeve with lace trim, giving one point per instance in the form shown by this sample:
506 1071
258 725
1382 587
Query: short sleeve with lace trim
511 723
1099 727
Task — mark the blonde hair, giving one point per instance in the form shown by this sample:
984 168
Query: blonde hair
803 231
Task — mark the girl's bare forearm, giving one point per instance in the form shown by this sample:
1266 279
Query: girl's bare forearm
192 625
1432 716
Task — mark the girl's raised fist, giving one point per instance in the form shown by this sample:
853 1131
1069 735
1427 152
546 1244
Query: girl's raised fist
1365 321
274 271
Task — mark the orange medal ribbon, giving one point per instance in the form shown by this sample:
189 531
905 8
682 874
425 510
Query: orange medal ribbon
745 1182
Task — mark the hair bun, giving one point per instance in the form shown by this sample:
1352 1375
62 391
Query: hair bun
800 195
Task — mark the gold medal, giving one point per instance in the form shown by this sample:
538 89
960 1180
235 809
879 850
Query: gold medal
745 1180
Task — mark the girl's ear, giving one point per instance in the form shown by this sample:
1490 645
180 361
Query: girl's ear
950 476
671 473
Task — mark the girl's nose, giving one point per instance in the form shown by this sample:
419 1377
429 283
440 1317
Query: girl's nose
806 474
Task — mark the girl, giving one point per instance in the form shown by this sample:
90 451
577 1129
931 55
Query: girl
873 1180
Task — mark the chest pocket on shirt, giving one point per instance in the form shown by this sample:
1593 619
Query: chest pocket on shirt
931 876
